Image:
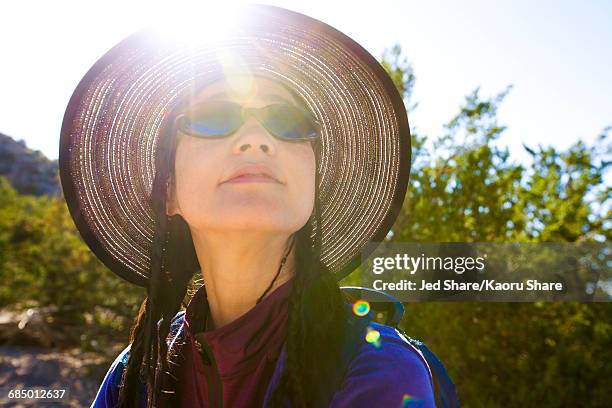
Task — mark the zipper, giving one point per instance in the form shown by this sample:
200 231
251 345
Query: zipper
215 382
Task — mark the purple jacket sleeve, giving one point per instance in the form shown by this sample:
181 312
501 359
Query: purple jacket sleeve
107 396
394 374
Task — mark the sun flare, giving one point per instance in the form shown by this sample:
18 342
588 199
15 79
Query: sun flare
195 22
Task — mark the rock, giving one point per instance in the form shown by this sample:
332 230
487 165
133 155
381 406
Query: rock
37 369
28 171
29 328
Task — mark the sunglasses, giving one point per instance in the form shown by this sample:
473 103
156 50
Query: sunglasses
217 119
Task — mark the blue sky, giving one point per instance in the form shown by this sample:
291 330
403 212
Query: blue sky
556 54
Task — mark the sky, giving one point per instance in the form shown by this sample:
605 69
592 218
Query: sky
557 55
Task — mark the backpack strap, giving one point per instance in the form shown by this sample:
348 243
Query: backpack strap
444 388
175 325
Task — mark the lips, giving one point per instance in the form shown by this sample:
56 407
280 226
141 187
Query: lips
252 173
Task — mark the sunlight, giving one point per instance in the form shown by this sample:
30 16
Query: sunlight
195 24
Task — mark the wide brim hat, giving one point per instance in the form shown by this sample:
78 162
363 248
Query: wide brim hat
113 121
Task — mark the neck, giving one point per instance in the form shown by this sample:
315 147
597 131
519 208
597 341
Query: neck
238 267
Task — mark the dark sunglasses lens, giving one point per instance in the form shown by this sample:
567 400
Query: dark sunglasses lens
288 122
212 119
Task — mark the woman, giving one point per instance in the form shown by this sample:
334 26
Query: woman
267 161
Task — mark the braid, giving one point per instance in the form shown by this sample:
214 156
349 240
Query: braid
180 238
130 374
172 251
143 349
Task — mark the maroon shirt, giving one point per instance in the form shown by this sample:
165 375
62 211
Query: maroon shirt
238 359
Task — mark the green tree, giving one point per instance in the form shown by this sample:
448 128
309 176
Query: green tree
44 263
467 189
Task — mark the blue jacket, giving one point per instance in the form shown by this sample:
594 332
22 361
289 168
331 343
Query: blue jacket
391 372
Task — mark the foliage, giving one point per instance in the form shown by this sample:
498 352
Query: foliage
44 263
506 354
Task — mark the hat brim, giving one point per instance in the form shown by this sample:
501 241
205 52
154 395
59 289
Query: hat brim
113 120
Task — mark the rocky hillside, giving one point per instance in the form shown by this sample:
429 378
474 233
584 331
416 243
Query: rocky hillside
29 171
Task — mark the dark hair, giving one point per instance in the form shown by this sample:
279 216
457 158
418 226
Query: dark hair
316 323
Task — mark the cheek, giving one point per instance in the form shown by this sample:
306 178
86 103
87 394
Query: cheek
302 167
196 177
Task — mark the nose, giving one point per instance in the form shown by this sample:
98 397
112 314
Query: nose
253 137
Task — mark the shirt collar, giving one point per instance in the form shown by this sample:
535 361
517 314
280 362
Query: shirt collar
258 333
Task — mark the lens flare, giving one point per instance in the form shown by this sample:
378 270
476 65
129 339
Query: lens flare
407 399
361 307
373 337
236 71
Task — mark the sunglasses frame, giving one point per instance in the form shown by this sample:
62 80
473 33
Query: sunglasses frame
245 112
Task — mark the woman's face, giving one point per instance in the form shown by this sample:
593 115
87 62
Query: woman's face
207 200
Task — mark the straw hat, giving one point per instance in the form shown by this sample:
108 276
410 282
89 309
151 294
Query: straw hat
120 108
